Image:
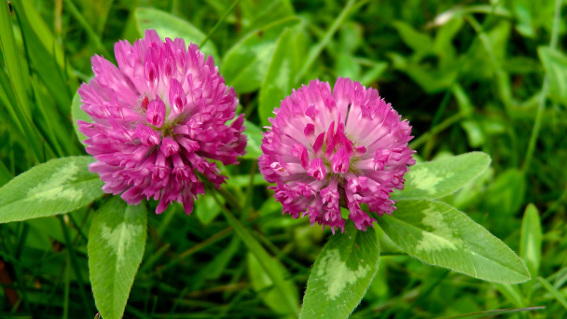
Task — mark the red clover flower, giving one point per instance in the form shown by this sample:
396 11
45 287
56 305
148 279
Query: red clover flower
326 150
157 121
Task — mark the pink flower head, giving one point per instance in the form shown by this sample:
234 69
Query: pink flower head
326 150
157 118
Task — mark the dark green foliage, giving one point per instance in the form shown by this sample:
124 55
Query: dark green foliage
469 75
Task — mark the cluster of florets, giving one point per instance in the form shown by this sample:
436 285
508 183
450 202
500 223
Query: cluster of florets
157 118
329 150
161 116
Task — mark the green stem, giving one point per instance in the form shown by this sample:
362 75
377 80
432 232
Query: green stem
260 253
430 143
442 126
218 236
249 192
75 265
485 42
553 291
153 259
543 97
229 198
66 289
442 107
221 20
314 53
90 32
557 204
278 253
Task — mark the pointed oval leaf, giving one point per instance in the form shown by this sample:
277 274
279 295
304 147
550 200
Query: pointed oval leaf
531 240
341 275
441 235
207 209
414 39
442 177
246 64
55 187
170 26
117 239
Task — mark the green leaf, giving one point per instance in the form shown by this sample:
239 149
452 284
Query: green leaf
347 66
524 19
444 37
117 239
280 78
261 13
170 26
56 187
341 275
246 64
262 284
506 194
77 113
350 37
441 235
431 80
442 177
373 73
463 100
207 209
531 240
254 134
530 245
244 180
418 41
474 132
555 66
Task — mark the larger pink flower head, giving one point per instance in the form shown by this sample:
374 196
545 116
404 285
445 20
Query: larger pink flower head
326 150
157 119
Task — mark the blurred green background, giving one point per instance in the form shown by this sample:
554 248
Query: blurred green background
469 75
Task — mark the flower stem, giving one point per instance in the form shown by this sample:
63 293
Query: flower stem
75 265
260 253
211 240
443 125
249 192
221 20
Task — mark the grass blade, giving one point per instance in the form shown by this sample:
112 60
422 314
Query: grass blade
553 291
263 257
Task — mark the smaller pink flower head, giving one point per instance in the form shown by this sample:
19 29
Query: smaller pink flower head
326 150
158 118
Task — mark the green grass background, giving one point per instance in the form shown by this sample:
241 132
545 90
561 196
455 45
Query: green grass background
469 75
